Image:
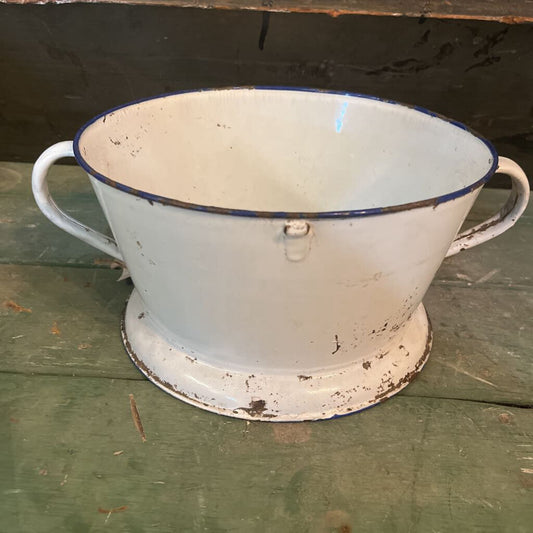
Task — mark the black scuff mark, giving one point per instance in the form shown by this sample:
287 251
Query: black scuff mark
423 40
485 63
265 23
414 65
337 345
490 42
487 49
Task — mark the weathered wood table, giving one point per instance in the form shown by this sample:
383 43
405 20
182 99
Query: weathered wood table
452 452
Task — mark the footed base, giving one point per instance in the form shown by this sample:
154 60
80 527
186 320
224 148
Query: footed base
275 397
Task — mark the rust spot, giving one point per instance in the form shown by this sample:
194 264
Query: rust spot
337 520
54 330
509 206
112 263
84 346
113 510
514 20
409 376
136 418
526 480
402 347
356 9
151 375
256 408
301 377
505 418
13 420
367 365
10 304
431 202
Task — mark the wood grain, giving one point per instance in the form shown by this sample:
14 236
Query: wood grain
508 11
406 465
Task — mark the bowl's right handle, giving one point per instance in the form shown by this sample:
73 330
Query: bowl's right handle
54 214
506 216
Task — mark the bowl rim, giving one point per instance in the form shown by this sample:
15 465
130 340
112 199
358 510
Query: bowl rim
154 198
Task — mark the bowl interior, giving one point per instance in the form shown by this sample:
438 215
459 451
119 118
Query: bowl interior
282 150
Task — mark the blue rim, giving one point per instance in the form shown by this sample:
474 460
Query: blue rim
285 214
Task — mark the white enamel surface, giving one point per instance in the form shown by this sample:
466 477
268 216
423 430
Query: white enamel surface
283 151
224 287
280 298
269 395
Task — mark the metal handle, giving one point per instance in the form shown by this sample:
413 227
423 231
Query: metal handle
505 218
54 214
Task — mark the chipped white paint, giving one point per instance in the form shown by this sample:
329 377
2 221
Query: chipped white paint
284 281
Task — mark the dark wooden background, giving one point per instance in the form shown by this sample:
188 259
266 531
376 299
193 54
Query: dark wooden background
62 64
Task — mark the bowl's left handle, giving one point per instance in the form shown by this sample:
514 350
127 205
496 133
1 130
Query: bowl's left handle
54 214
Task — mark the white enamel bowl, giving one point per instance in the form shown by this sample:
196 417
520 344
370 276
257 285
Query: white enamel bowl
280 241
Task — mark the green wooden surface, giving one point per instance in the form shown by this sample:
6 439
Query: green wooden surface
452 452
409 465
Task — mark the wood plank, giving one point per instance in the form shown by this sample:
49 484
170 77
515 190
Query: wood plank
73 326
409 464
28 237
477 355
59 77
482 346
507 11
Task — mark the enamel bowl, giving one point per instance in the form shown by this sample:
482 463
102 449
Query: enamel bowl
280 241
